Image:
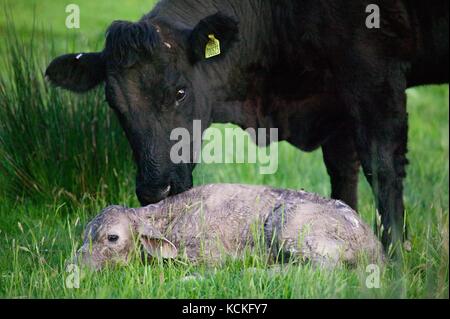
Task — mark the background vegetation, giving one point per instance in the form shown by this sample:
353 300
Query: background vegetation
63 157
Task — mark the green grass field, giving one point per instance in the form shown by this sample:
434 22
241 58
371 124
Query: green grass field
64 157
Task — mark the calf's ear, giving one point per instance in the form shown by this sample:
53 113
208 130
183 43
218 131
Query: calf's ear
77 72
213 37
157 245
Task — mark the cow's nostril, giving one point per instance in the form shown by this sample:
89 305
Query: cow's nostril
149 196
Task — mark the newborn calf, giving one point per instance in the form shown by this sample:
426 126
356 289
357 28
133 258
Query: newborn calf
210 222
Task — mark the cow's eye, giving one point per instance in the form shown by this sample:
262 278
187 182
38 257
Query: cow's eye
181 95
113 238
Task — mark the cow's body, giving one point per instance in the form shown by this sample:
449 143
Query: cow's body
306 67
311 68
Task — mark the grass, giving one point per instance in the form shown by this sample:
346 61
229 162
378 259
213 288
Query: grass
64 157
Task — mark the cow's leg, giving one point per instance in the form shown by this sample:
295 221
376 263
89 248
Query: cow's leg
341 160
381 139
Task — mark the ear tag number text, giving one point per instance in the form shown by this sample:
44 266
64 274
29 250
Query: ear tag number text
212 47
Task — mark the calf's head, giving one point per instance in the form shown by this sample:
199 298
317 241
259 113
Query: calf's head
113 236
156 80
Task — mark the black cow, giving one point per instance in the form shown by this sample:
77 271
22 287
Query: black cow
311 68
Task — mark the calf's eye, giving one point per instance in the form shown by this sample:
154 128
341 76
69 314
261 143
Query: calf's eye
181 95
113 238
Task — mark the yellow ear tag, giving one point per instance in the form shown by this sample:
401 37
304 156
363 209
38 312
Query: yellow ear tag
212 47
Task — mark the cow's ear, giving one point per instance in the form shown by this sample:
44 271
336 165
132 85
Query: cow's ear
213 37
77 72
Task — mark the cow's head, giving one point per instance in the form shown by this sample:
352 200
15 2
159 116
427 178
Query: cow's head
155 81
